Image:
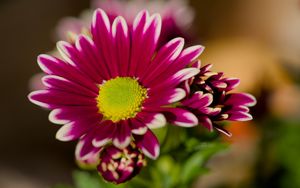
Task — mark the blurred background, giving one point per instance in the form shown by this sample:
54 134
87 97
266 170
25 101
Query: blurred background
257 41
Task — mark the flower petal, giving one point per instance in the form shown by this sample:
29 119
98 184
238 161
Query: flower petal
199 100
54 66
222 130
59 83
67 114
92 58
104 133
231 83
54 99
152 120
206 122
238 99
85 149
176 79
121 38
137 127
165 97
149 144
164 58
150 34
74 130
180 117
186 57
240 116
102 36
122 136
76 57
137 41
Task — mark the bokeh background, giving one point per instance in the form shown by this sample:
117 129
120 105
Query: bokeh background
255 40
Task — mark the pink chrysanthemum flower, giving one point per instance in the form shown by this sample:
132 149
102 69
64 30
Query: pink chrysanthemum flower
114 87
209 97
120 165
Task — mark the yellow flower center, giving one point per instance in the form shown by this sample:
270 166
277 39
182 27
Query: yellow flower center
120 98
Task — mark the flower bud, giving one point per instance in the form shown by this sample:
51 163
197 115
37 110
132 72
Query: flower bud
210 98
120 165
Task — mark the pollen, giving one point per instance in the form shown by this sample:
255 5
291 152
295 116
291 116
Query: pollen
120 98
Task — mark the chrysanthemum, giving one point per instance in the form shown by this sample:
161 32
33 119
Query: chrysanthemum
210 98
114 87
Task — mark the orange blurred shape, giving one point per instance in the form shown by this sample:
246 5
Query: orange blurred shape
241 131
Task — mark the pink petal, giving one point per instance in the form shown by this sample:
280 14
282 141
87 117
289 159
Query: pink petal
149 42
59 83
180 117
137 127
67 114
239 99
149 144
199 100
165 97
222 130
84 148
176 79
164 58
78 57
186 57
122 136
137 41
104 133
121 38
152 120
211 111
232 83
54 99
206 122
92 58
240 116
103 39
75 130
54 66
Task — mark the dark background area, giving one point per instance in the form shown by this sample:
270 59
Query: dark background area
27 143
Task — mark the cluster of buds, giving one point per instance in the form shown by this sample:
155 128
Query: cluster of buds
210 99
120 165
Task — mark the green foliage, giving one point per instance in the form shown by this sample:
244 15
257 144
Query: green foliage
288 153
182 161
171 171
84 179
194 165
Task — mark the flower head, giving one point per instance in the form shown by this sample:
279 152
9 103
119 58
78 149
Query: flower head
120 165
210 99
114 85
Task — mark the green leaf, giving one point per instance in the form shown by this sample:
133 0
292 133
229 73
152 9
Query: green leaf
84 179
194 165
160 133
174 137
164 173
